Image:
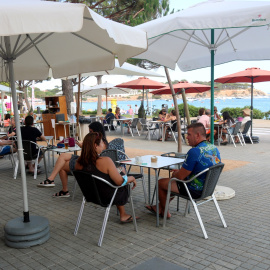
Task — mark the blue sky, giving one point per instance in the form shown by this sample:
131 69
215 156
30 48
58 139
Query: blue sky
196 75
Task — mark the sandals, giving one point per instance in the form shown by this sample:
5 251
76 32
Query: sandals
160 139
129 219
62 194
47 183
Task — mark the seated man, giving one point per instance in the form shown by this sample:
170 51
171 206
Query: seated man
202 155
109 116
31 133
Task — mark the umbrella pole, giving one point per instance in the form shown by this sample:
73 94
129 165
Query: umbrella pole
3 104
18 133
106 100
185 105
212 86
251 111
78 107
177 111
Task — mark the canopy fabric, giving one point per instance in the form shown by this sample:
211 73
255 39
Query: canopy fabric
83 40
250 75
142 83
241 33
189 88
126 69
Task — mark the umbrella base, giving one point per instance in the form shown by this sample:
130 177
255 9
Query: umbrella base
19 234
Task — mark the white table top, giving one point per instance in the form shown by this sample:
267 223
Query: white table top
70 149
146 162
123 119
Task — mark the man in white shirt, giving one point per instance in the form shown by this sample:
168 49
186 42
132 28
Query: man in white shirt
136 109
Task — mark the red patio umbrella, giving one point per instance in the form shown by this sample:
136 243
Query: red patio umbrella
178 87
141 83
252 75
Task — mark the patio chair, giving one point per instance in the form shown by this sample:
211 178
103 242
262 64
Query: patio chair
172 127
234 133
89 186
148 127
13 157
212 176
133 125
107 123
246 132
30 154
117 155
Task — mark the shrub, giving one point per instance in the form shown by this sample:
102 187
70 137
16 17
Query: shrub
141 112
237 112
193 110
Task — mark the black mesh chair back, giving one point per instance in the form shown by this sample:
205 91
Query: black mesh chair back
236 128
246 128
134 123
112 153
89 188
211 180
29 150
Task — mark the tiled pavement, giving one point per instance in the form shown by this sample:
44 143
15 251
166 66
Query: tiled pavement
243 245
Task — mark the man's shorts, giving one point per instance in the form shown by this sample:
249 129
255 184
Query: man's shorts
5 150
182 190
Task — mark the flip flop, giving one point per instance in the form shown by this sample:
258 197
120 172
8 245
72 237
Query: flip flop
129 219
152 210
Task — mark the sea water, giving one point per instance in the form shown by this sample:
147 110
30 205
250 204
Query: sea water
262 104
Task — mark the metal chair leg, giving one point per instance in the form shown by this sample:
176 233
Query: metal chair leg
79 217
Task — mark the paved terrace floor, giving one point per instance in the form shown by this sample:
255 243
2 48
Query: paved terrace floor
243 245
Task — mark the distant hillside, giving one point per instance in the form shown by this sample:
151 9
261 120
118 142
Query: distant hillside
229 93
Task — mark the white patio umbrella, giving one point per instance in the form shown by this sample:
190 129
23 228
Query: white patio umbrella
208 34
40 36
105 89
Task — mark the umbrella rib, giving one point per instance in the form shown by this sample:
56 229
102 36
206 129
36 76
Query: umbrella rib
230 38
16 44
89 41
32 44
21 45
40 53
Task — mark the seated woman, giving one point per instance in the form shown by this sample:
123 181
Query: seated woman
162 115
7 120
229 122
118 116
104 167
171 117
66 162
201 112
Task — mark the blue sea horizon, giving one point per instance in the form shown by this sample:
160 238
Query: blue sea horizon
258 103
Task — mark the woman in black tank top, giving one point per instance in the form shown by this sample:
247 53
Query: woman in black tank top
104 167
